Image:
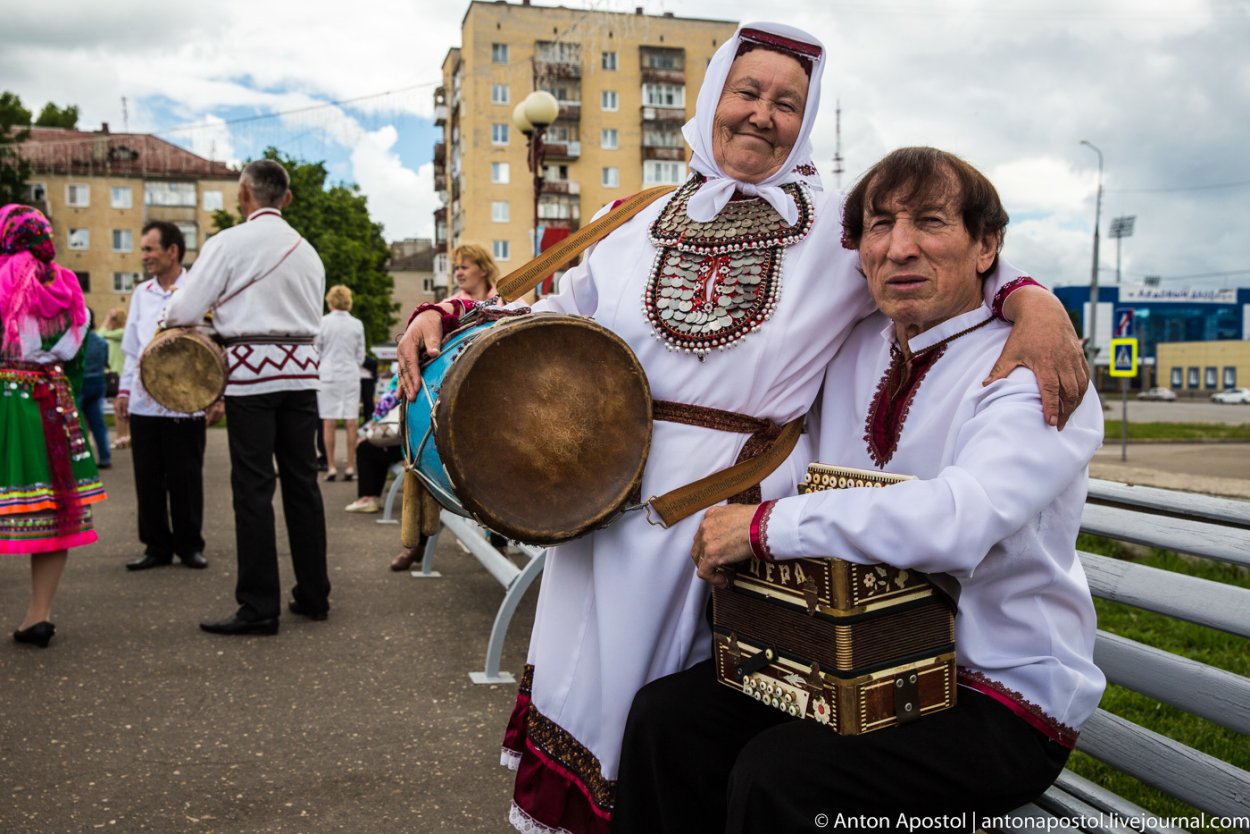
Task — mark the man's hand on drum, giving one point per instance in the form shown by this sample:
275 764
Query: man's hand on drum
723 538
121 407
214 413
423 336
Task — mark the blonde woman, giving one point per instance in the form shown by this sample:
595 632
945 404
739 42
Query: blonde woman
475 272
342 346
111 331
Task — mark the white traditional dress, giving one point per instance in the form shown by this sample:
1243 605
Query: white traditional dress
734 297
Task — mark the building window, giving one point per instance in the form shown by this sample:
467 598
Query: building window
499 53
1230 377
121 197
499 94
658 137
499 211
169 194
609 139
124 281
609 101
499 249
663 59
657 172
499 134
499 173
1209 379
77 196
611 177
609 61
214 201
37 191
80 239
191 233
663 95
123 240
1178 377
1192 378
84 280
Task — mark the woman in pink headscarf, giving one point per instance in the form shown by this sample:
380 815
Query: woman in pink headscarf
48 479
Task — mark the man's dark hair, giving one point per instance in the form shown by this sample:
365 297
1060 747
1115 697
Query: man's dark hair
922 177
268 181
171 235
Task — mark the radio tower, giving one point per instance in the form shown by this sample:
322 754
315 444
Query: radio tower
837 152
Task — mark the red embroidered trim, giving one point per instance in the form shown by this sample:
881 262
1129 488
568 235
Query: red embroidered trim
1027 710
807 169
557 747
759 531
1000 297
808 50
892 401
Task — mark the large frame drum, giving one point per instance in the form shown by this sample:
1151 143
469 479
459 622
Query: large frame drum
537 426
183 369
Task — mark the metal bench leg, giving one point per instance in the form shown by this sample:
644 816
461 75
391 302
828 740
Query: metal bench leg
503 618
426 571
397 488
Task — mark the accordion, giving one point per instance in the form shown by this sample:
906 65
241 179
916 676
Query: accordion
855 647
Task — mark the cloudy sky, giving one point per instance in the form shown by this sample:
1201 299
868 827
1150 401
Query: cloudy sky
1162 87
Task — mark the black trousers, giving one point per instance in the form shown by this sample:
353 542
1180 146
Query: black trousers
372 464
264 428
168 457
700 757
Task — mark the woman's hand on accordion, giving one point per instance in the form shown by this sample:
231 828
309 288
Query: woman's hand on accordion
424 334
723 538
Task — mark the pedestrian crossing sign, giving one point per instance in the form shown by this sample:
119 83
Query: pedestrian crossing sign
1124 357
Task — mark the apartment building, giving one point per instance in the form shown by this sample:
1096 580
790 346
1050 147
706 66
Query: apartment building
99 189
625 83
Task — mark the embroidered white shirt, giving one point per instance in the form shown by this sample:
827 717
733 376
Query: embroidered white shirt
147 303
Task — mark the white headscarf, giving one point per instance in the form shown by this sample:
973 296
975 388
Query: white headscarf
719 188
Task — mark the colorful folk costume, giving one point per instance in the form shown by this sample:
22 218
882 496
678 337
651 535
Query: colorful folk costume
48 479
734 297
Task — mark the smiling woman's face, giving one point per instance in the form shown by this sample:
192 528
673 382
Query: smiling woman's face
759 115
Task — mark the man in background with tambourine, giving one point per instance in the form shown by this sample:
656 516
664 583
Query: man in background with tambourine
167 445
264 284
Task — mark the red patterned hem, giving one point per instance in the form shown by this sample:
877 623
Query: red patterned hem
1000 297
759 531
1028 711
49 545
892 401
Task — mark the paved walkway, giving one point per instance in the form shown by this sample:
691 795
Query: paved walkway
136 721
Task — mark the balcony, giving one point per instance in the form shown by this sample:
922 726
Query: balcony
440 106
556 69
570 111
665 153
663 76
563 150
440 154
664 115
440 181
561 187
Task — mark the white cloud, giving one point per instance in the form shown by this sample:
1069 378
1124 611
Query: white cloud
402 199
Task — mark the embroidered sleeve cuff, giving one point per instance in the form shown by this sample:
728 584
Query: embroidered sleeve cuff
759 531
1000 298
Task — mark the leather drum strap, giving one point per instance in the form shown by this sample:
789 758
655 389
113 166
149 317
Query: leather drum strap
673 506
523 279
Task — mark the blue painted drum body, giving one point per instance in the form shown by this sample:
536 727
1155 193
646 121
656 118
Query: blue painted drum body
537 426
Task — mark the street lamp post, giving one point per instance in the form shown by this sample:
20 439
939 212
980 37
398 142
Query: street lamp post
1091 349
532 117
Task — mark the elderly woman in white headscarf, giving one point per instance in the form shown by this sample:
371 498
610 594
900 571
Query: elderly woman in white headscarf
734 293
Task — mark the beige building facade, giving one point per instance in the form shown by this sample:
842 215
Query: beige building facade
1199 369
99 189
625 83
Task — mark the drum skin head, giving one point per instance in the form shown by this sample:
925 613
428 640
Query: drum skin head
544 425
183 370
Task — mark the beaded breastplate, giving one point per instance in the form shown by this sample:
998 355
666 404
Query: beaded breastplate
713 283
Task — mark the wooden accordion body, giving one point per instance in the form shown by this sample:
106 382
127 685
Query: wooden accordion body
855 647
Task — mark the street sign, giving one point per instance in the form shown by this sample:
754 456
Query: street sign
1124 357
1124 323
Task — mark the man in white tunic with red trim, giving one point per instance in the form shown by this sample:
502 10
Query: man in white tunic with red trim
264 284
734 293
993 519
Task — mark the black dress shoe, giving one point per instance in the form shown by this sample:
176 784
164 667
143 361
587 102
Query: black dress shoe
297 607
37 635
149 561
194 560
234 624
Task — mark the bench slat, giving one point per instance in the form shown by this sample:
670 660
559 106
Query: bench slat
1059 802
1170 502
1214 694
1023 813
1200 538
1189 598
1203 781
1112 803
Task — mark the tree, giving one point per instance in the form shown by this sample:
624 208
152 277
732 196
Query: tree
53 116
336 222
14 170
